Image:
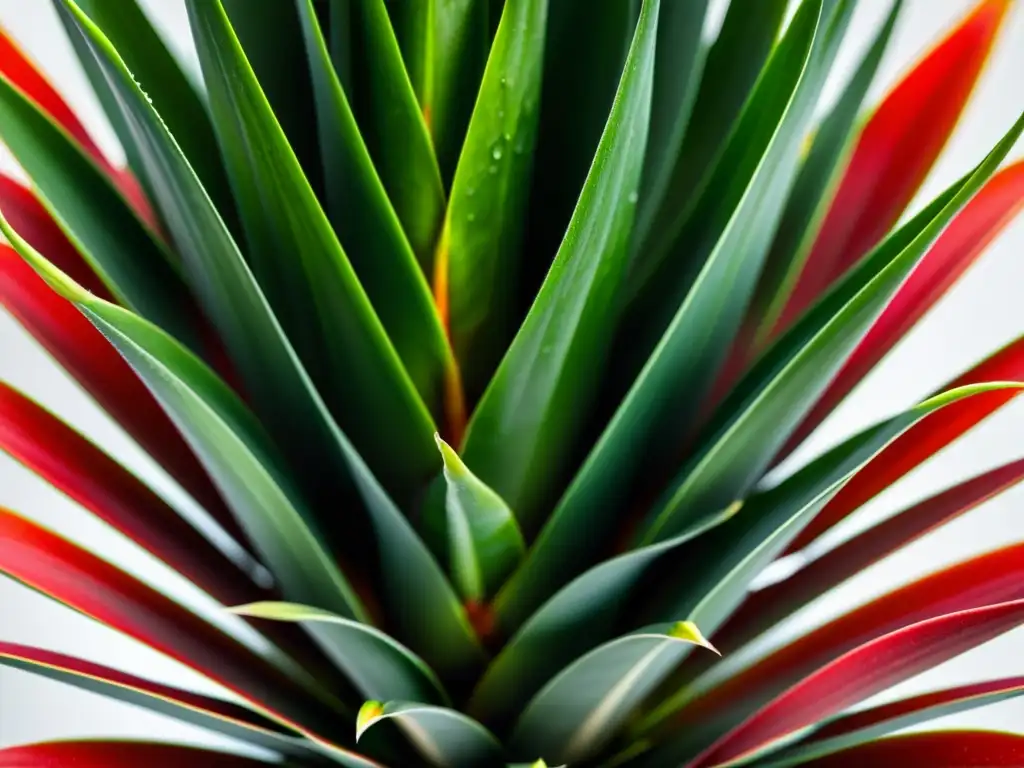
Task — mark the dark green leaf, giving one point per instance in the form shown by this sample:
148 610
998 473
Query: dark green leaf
525 427
157 71
810 196
478 257
678 67
581 75
227 439
314 290
378 665
370 232
485 544
271 36
669 386
581 709
773 398
393 126
445 738
734 63
124 252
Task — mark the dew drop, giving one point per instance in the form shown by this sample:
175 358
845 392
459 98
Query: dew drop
633 196
493 169
472 217
497 152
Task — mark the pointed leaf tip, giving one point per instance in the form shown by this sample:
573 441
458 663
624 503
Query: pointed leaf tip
690 633
369 714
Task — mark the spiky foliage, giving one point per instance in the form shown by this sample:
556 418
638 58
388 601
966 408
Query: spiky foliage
479 326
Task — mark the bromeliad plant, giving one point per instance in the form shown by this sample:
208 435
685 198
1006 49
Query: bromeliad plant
474 329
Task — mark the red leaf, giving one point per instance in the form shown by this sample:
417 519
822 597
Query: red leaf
995 577
923 440
90 477
27 657
69 574
768 606
90 359
22 72
863 672
119 754
884 713
948 749
966 238
895 151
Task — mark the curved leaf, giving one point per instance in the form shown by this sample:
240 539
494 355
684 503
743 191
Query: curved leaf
770 401
552 638
581 709
76 467
53 566
733 65
444 737
485 543
124 252
370 232
959 591
195 709
271 36
831 144
650 413
314 291
394 128
867 725
966 238
173 94
94 363
772 604
476 266
378 665
895 151
949 749
927 439
525 426
226 438
865 671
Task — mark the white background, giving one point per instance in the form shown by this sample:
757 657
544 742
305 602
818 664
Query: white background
983 312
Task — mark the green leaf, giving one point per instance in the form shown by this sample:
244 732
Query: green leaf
809 199
323 308
772 399
218 716
458 48
378 665
678 66
526 425
444 737
581 77
485 544
370 232
227 439
274 379
581 709
393 126
733 65
667 390
271 36
157 71
127 256
478 256
552 637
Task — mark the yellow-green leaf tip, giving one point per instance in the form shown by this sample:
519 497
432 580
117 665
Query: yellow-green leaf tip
369 714
688 632
452 463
